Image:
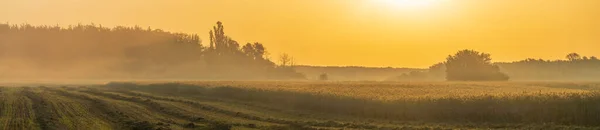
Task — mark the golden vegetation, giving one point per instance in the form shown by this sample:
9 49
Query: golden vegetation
303 105
390 91
501 105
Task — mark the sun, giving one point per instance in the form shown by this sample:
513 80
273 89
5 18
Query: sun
409 4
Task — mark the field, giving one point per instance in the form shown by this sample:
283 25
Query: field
281 105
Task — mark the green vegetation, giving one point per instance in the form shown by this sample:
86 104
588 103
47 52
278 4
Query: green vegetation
303 105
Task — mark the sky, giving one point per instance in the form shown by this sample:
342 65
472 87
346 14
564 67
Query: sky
376 33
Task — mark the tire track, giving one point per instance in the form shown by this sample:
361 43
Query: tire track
2 100
302 124
2 108
17 111
204 107
116 116
63 113
155 106
44 114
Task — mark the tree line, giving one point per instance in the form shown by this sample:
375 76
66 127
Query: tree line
573 67
470 65
94 51
225 55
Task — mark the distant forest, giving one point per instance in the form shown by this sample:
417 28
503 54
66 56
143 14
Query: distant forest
97 52
126 53
573 68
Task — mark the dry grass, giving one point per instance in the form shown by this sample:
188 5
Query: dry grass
390 91
303 105
530 103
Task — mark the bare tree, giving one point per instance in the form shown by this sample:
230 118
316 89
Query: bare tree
285 60
292 62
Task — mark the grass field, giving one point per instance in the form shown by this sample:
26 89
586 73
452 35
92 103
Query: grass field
303 105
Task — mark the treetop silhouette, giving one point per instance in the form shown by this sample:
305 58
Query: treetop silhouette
470 65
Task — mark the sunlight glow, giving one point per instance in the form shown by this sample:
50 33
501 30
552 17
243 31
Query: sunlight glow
409 4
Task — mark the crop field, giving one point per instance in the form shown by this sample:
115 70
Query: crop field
282 105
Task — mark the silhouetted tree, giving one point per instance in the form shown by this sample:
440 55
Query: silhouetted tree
285 60
585 58
576 67
573 57
594 58
259 50
248 50
586 68
131 52
256 50
218 40
469 65
225 56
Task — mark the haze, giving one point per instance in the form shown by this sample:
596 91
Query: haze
344 32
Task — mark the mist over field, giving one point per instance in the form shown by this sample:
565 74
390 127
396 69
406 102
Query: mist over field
93 52
299 65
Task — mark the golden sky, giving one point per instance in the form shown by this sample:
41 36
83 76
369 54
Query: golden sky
397 33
